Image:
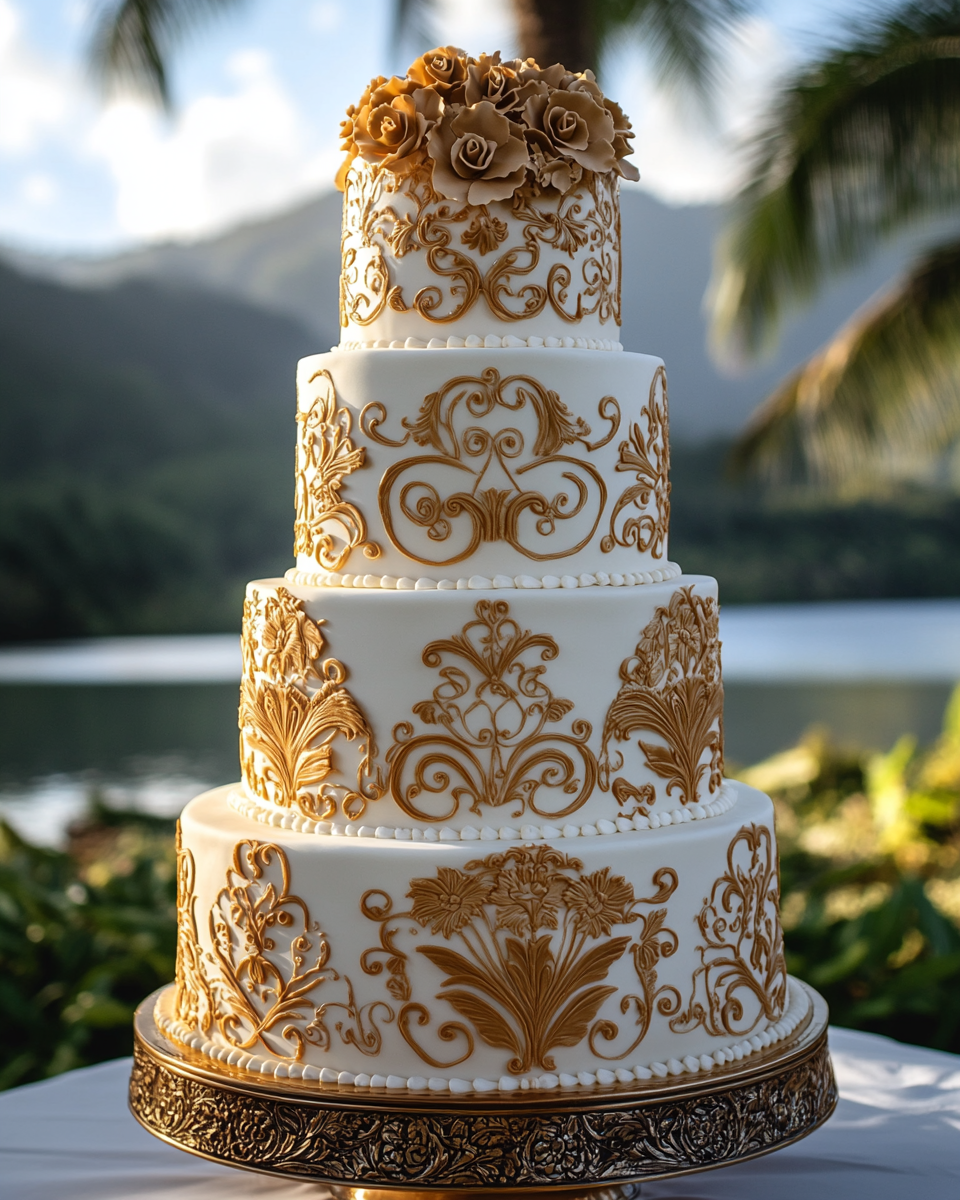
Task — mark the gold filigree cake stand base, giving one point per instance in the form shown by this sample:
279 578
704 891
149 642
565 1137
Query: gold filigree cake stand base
600 1142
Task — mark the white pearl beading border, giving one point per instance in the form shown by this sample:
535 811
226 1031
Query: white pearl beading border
255 809
481 583
490 341
798 1004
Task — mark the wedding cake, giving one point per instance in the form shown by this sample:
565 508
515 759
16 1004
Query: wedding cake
483 840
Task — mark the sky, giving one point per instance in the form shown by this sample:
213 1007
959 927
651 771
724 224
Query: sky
259 95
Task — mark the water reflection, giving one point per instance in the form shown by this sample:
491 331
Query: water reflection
155 746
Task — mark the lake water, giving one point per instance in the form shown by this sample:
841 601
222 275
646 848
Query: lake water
148 722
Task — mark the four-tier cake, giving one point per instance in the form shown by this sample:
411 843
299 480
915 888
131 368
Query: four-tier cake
483 839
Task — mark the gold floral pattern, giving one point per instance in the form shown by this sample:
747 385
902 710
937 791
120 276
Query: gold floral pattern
194 1002
671 687
743 977
383 211
535 944
481 483
647 457
293 709
491 747
269 953
327 527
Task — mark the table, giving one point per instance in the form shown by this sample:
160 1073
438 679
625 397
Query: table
895 1136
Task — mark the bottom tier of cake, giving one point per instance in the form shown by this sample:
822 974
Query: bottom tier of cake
478 966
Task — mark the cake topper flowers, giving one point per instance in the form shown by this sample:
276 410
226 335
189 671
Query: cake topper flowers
483 128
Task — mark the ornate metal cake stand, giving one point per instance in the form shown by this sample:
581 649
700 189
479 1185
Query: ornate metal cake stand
377 1144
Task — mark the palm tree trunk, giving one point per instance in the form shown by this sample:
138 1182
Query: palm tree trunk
557 31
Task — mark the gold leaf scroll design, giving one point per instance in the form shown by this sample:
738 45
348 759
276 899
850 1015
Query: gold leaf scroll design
327 527
742 951
499 489
377 906
534 947
655 941
648 458
587 217
490 712
671 687
194 1002
599 288
263 984
295 730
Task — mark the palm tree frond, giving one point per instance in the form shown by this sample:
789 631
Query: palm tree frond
859 143
683 37
132 40
885 390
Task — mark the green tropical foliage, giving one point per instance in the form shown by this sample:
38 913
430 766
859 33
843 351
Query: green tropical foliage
860 146
870 872
84 936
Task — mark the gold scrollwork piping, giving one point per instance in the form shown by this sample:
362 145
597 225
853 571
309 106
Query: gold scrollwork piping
293 708
492 707
262 984
498 497
587 219
649 459
327 527
194 1001
742 951
377 906
672 687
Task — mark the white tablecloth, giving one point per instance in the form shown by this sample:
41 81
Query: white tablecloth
895 1136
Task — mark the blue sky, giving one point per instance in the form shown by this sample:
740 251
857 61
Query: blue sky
259 96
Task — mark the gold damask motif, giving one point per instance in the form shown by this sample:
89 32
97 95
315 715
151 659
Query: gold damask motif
742 951
587 218
649 459
271 955
294 730
327 527
671 687
194 1002
490 748
535 946
480 484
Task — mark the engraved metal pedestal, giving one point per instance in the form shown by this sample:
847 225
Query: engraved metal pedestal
600 1142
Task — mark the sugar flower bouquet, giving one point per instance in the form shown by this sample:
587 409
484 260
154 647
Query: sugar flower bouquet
485 129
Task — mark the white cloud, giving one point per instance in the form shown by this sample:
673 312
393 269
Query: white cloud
34 95
222 159
683 158
39 189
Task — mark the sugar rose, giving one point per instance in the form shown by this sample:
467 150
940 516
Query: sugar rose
444 69
623 135
574 125
499 83
478 155
391 128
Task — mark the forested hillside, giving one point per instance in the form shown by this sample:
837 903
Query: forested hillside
146 454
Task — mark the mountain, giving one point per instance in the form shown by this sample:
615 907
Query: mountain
146 453
290 264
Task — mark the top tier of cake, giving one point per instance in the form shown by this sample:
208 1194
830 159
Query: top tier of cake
481 208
